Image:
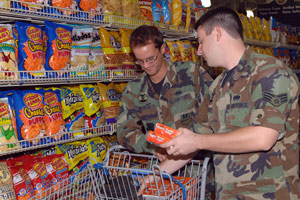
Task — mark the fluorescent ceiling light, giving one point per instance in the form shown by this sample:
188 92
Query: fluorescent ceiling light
206 3
250 13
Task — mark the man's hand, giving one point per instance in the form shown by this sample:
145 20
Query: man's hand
161 154
143 182
183 144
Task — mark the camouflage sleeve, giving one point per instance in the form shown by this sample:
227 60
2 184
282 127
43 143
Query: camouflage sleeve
202 82
130 129
274 94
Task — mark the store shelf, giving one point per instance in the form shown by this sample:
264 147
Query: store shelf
270 44
23 145
22 78
38 13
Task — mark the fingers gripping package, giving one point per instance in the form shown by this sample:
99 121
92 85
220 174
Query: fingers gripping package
161 134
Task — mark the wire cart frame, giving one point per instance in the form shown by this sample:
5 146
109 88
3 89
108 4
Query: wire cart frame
76 187
120 175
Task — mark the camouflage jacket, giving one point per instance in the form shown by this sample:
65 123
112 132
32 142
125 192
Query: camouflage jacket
176 106
261 91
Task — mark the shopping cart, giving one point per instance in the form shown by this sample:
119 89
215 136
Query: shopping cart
76 187
121 174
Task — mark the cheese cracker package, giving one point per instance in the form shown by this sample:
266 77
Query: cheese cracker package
29 109
31 55
55 124
58 52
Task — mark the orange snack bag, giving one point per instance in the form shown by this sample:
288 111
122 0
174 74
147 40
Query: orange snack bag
31 49
59 45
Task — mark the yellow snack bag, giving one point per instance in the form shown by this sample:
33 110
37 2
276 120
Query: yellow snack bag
175 54
110 102
194 51
185 50
248 32
74 152
97 149
93 108
179 8
127 55
255 28
266 29
111 46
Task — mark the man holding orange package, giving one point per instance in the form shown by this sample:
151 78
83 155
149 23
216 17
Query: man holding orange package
169 93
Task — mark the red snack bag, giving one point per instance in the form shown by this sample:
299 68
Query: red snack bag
57 169
22 182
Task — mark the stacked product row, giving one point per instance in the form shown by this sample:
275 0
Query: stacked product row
44 115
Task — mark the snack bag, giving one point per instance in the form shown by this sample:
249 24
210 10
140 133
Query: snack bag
146 10
157 11
47 151
96 60
81 47
57 169
179 8
166 8
110 102
194 51
29 108
111 45
31 55
175 54
22 183
185 50
4 5
8 60
39 177
62 7
74 152
7 131
97 150
93 108
31 5
73 110
130 9
6 183
91 6
112 7
58 52
127 54
55 124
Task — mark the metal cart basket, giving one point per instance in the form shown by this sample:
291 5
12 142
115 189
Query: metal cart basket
122 173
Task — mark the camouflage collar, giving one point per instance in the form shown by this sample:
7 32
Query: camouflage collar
242 69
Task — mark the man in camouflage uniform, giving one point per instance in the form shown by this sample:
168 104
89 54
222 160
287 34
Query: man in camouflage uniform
254 114
169 93
166 92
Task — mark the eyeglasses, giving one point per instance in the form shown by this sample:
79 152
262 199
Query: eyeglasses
147 60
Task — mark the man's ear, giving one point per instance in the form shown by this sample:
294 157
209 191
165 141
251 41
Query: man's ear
163 48
218 32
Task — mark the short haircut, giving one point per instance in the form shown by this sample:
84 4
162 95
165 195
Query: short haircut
144 35
224 17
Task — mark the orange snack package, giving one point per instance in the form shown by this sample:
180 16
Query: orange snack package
31 50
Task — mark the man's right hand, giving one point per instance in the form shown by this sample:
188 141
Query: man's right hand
161 154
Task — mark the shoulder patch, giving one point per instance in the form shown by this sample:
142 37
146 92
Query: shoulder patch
275 100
